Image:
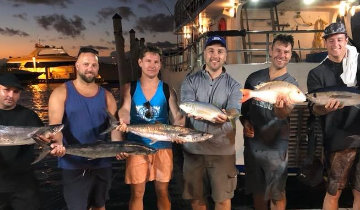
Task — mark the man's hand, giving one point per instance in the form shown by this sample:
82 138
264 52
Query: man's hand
122 127
248 129
57 149
221 118
283 106
330 106
122 156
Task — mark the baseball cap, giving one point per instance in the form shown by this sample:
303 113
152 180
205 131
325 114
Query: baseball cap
215 39
10 80
334 28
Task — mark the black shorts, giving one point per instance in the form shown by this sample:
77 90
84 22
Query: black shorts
86 188
25 198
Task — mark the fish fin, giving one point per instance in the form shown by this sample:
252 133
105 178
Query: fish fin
245 95
45 150
260 85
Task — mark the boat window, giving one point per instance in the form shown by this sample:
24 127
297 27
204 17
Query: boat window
52 51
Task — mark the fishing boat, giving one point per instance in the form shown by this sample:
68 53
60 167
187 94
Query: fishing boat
249 27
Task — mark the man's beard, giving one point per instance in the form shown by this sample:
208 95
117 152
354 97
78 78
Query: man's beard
87 79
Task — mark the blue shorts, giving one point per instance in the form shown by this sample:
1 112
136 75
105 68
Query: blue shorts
266 172
86 188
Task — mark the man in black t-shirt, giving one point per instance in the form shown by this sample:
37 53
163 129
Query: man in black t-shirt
18 186
266 155
341 125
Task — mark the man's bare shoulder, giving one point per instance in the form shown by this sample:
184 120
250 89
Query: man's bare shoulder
59 91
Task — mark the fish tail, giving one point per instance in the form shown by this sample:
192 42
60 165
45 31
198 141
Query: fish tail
45 150
245 95
112 121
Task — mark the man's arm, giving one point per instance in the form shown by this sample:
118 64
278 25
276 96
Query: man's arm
283 107
112 108
56 113
125 106
177 117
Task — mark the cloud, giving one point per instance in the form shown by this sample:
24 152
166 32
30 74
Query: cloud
92 23
106 13
163 45
156 23
12 32
61 3
145 7
22 16
96 47
66 26
123 1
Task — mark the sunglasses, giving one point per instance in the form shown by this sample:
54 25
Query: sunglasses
148 113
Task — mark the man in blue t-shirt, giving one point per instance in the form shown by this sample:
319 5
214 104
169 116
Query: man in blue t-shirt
148 104
266 159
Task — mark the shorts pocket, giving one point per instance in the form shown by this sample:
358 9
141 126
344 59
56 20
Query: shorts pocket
232 180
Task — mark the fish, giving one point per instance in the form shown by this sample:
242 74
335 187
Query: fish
100 149
23 135
160 132
163 132
207 111
347 96
269 92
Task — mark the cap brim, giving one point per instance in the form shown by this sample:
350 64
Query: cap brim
327 35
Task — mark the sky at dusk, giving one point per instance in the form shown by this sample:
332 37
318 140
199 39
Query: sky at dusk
75 23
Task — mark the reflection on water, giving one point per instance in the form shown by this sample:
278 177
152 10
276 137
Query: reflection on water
36 97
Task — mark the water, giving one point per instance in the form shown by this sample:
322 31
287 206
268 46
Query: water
36 97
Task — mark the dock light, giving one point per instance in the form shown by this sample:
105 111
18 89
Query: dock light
254 1
307 2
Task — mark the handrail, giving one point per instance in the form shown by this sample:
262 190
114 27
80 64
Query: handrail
237 33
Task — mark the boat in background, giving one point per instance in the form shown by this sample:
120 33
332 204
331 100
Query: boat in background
49 63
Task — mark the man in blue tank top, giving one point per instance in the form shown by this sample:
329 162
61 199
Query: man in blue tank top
81 105
148 104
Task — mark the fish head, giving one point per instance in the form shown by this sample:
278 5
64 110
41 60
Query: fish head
187 107
297 96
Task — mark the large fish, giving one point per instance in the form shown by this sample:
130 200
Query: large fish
100 150
269 92
23 135
163 132
207 111
347 96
